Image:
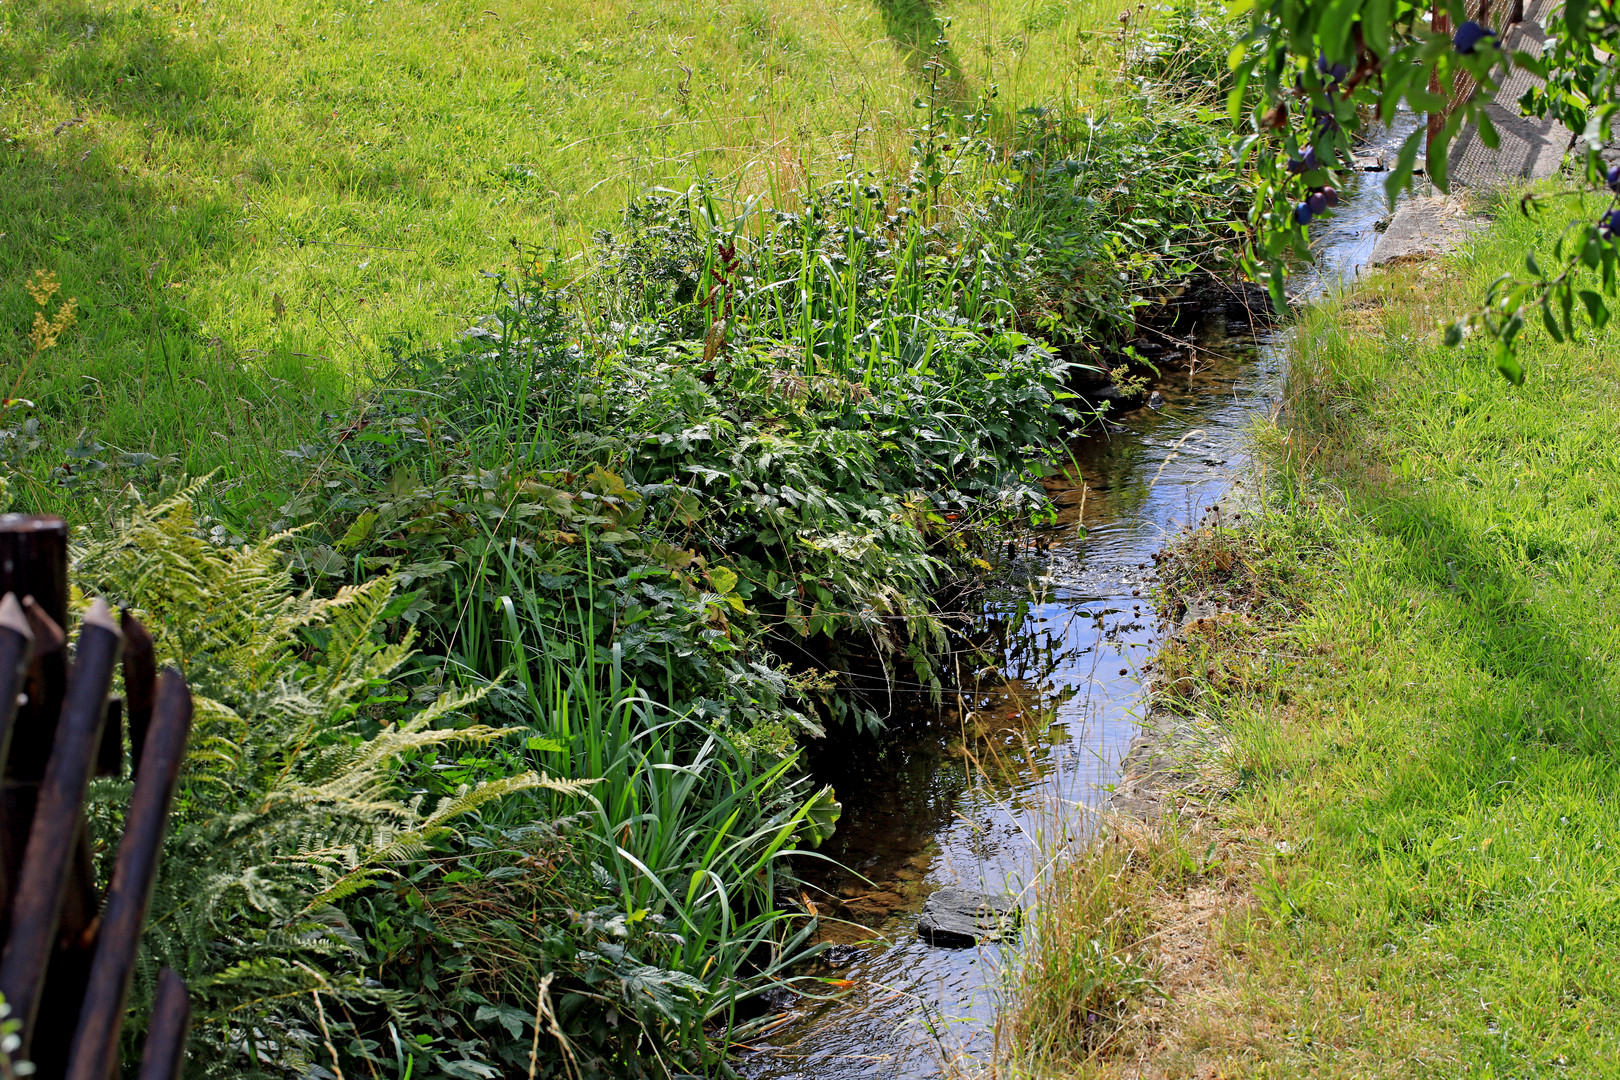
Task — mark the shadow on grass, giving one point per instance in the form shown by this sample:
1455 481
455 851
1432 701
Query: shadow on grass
1511 740
124 62
1540 679
139 372
914 26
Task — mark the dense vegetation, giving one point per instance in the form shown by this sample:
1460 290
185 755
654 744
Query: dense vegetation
499 773
593 406
250 198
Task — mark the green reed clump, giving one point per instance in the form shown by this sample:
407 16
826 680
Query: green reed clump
711 505
615 928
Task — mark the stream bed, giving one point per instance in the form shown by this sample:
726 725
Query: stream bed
970 794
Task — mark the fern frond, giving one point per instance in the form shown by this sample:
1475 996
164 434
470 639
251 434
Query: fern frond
413 842
454 701
290 799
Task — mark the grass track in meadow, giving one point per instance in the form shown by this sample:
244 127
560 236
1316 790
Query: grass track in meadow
249 198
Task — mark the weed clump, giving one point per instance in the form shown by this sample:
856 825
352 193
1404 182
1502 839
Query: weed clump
1087 964
45 332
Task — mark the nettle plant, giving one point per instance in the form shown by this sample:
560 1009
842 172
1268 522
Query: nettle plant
1312 70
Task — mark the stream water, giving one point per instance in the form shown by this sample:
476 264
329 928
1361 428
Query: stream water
970 794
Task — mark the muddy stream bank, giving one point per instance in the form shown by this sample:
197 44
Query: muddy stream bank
968 795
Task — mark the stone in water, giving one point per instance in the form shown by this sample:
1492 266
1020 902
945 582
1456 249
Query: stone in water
956 918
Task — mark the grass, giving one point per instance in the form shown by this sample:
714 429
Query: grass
250 198
1402 859
1086 962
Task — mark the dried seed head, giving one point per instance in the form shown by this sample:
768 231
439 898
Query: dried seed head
42 286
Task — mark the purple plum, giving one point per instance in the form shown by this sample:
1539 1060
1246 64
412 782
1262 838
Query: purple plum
1470 35
1335 72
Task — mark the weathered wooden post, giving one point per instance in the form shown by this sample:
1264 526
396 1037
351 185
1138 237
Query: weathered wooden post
16 655
49 865
95 1043
67 959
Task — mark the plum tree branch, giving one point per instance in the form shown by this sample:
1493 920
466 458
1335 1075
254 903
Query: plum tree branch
1308 72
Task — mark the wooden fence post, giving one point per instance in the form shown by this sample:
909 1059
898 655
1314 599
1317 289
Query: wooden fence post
95 1043
55 840
65 970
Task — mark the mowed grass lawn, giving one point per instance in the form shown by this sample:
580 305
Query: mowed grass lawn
1425 766
250 198
1402 857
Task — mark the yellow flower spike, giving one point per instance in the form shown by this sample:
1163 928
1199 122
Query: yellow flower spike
42 286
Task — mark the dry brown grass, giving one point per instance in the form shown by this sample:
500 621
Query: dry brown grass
1170 907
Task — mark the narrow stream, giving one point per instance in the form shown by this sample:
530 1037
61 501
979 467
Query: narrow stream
960 797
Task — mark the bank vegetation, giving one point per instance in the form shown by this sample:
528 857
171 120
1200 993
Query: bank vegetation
1394 853
591 406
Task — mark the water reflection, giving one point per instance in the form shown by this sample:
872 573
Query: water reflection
958 796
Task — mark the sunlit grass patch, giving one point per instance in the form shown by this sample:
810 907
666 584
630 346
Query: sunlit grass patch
252 198
1421 813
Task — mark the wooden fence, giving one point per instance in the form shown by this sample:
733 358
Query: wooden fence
1463 85
69 950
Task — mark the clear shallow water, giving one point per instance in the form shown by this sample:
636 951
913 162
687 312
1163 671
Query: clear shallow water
960 796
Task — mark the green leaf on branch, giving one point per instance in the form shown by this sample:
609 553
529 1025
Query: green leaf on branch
821 815
1551 323
1596 309
1402 172
1510 332
1508 364
1375 25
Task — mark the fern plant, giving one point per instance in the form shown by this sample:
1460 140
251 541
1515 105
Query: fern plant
291 796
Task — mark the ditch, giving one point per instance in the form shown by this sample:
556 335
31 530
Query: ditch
970 795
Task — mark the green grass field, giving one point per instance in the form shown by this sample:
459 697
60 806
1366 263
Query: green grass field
1404 861
251 198
1455 764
